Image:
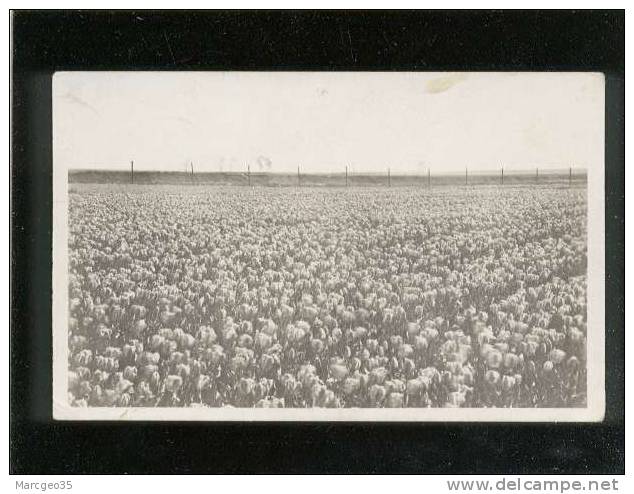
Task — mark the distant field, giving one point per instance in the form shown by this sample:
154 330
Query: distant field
315 180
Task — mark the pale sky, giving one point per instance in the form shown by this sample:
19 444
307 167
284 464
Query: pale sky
322 121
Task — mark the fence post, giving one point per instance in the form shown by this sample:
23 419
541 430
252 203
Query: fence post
537 175
570 177
249 174
389 178
502 175
346 175
466 176
132 171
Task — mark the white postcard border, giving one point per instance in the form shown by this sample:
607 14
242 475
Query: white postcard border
594 412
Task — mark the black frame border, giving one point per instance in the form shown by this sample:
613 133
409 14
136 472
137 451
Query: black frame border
48 41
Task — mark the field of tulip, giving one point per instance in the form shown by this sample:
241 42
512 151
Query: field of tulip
327 297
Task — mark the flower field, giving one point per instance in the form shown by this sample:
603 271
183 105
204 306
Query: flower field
327 297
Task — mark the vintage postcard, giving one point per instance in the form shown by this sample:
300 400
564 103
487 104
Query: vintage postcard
328 246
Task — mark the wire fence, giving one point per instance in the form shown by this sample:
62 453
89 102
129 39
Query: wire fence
346 178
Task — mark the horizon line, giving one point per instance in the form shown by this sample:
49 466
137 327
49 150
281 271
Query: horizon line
350 172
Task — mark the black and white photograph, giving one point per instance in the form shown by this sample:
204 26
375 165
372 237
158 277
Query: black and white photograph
269 243
328 246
